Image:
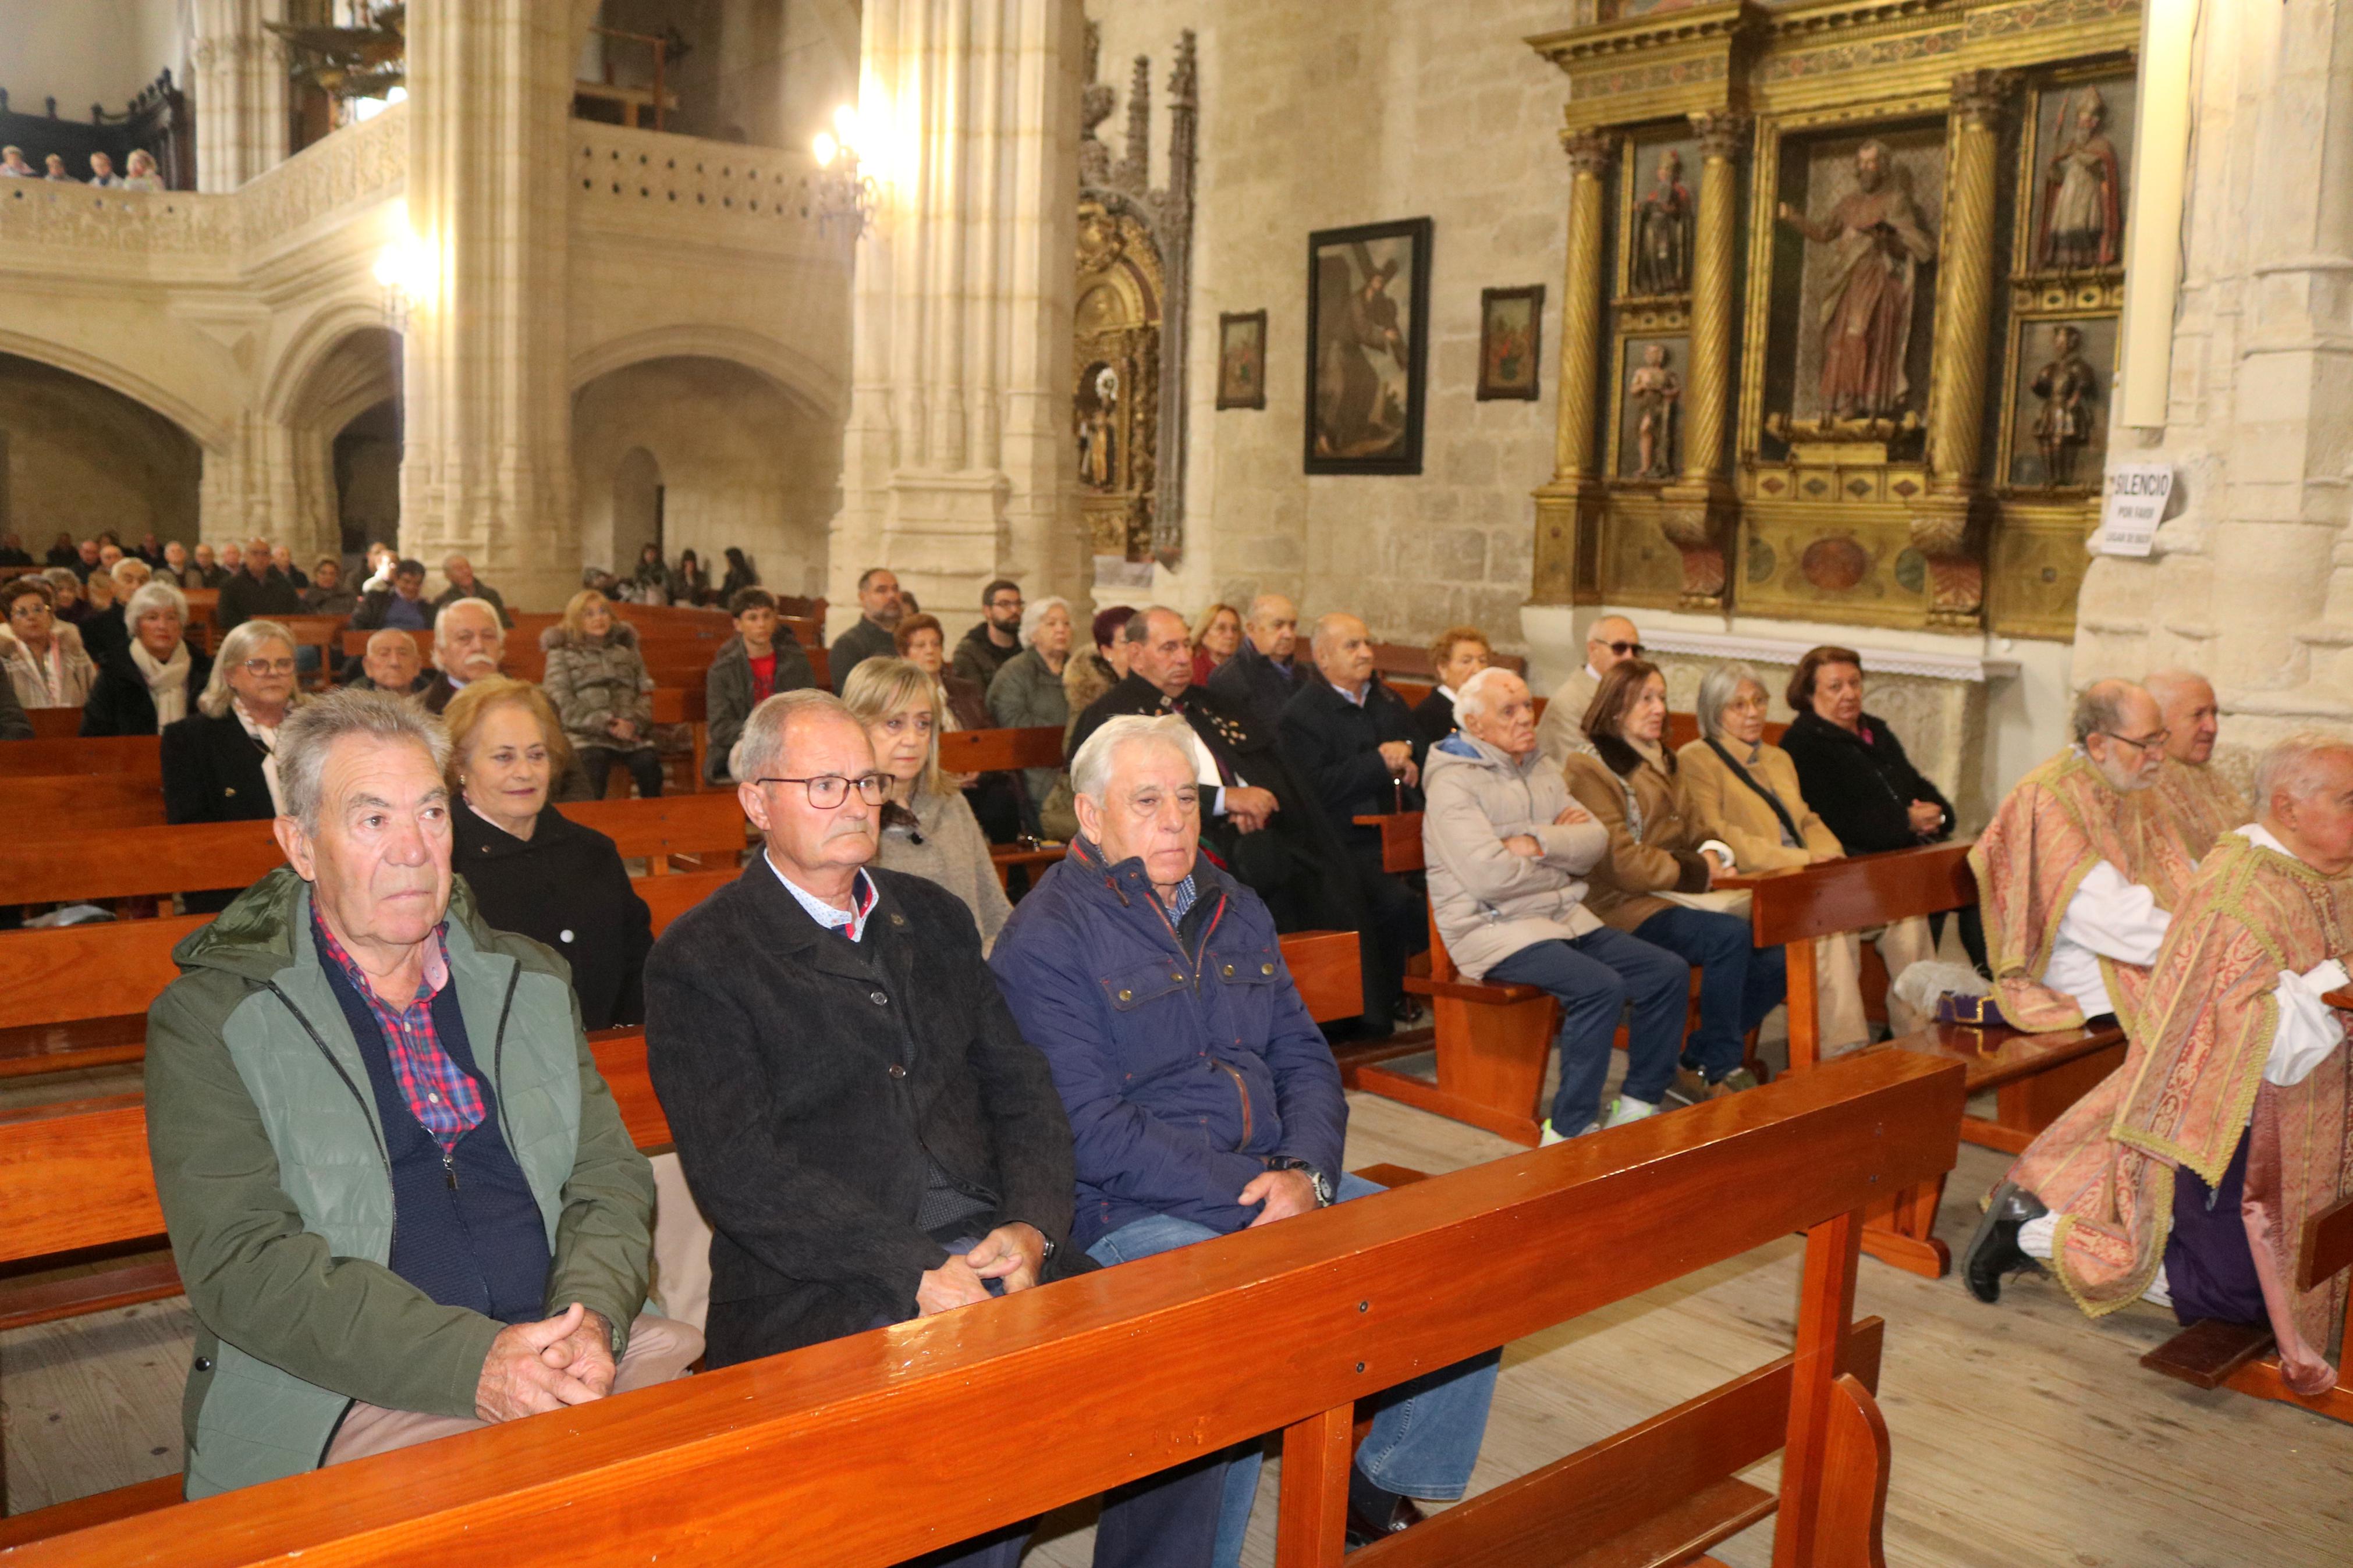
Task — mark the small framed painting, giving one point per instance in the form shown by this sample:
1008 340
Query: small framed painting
1241 359
1367 344
1510 339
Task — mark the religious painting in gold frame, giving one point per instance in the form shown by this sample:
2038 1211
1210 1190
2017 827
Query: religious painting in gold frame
1511 344
1241 359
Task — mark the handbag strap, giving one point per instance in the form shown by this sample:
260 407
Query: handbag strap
1788 826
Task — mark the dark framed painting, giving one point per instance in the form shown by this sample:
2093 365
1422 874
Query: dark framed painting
1510 339
1368 347
1241 359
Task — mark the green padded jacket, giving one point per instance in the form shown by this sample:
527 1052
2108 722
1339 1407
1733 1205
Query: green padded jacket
270 1165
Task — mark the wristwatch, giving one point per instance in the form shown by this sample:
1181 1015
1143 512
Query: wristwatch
1315 1178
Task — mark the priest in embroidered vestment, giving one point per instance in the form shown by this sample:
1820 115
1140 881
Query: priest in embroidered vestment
2196 801
2076 871
2186 1176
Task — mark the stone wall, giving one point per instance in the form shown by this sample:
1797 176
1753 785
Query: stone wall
83 458
1314 117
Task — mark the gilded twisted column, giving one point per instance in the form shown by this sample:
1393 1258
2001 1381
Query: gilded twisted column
1568 510
1697 513
1964 324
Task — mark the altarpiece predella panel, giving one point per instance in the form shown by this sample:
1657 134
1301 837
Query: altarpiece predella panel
1843 282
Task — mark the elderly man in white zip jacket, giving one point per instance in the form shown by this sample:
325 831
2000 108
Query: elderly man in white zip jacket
1507 853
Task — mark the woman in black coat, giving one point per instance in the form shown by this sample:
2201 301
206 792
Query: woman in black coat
532 870
218 761
1851 768
157 663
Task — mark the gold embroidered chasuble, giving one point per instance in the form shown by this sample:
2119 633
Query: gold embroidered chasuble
2059 822
2199 804
2191 1080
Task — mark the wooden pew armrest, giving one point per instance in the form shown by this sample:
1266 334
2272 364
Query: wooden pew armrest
1472 991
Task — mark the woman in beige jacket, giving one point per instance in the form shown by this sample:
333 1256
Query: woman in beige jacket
1745 791
1625 777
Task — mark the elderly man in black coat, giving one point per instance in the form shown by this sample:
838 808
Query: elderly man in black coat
859 1117
1257 818
1265 671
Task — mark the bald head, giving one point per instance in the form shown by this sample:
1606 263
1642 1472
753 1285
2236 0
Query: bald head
391 660
2304 795
2192 716
1273 626
1344 651
1612 640
2121 729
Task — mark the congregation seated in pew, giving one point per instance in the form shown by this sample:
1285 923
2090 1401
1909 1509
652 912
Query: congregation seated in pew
44 657
1609 642
2187 1177
535 871
1742 789
749 667
398 601
220 762
598 680
1509 854
1027 691
155 678
1167 1156
501 1271
1266 670
994 797
860 1120
1655 881
927 827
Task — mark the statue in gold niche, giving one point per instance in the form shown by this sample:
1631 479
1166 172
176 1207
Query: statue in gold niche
1878 243
1663 232
2068 386
1652 391
2083 205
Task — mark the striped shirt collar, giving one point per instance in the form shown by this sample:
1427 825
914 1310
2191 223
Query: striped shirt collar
852 921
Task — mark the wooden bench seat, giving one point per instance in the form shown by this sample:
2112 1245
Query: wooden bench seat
139 754
700 1470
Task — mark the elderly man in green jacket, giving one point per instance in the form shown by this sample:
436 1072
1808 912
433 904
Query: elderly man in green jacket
402 1198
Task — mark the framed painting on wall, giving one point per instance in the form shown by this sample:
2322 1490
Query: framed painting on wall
1510 337
1368 347
1241 359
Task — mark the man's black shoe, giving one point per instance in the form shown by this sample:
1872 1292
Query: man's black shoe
1368 1524
1993 1250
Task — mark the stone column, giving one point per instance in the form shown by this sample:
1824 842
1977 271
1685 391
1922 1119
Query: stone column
253 485
238 84
1940 529
487 465
1698 513
1568 510
955 462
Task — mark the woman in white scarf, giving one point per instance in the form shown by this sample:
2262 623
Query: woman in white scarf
42 655
154 681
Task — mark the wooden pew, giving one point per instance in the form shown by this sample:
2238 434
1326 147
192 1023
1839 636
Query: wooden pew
140 755
2033 1077
700 1470
55 723
2209 1354
996 751
75 806
136 862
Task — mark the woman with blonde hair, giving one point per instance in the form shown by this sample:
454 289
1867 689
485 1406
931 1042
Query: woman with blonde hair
532 868
598 683
928 829
1217 634
220 762
46 662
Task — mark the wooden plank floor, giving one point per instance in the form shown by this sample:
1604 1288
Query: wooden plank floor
2024 1434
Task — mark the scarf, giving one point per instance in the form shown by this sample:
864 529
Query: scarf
265 737
167 680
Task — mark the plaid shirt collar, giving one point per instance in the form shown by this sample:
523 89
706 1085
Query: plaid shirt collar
445 1099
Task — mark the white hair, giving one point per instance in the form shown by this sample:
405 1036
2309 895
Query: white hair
498 622
1092 769
2293 767
761 748
1717 688
310 731
152 596
1471 697
1035 611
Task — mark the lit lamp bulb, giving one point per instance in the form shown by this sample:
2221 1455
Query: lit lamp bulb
845 125
390 269
825 148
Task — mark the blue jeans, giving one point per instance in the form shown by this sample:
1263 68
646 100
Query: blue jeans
1593 977
1426 1432
1738 984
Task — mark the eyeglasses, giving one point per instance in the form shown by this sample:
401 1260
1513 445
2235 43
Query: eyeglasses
260 667
1626 649
827 791
2161 738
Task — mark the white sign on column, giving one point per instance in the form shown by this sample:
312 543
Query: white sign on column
2135 505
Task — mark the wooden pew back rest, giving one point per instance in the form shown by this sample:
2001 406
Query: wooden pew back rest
700 1470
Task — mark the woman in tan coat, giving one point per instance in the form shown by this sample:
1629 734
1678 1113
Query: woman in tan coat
1745 791
1624 777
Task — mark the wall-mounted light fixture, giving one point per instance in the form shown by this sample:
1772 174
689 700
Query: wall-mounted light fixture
405 271
842 193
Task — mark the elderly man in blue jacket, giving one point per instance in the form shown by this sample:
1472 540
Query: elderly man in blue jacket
1202 1098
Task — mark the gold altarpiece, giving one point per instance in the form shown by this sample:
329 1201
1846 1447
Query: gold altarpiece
1839 329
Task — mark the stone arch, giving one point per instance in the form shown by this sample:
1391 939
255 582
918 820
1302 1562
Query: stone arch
821 389
344 364
81 456
208 432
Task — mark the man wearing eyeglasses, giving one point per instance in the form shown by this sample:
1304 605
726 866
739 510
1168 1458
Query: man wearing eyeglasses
2077 872
860 1120
1611 641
